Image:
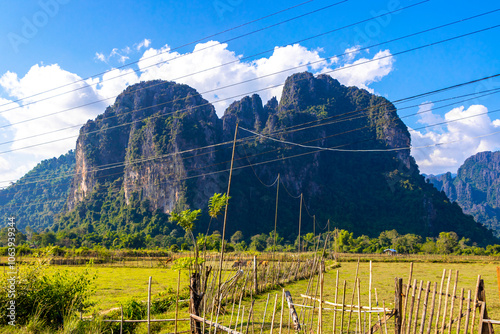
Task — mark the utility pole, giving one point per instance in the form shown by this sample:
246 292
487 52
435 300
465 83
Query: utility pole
225 212
300 220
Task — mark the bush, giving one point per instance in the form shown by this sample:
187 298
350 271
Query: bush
46 295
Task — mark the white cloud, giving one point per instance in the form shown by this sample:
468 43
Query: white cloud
427 116
100 56
364 71
44 78
144 44
350 53
213 55
461 137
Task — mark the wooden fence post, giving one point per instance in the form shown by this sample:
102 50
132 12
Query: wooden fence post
485 328
398 305
255 279
293 313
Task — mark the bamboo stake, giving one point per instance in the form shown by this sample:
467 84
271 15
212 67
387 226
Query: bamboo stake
282 308
149 305
336 296
212 317
320 315
378 313
359 305
238 315
274 313
342 314
177 303
446 302
424 309
232 313
467 315
474 305
264 317
432 308
121 322
370 298
410 314
439 302
415 322
405 304
385 322
453 297
461 307
242 319
352 298
250 314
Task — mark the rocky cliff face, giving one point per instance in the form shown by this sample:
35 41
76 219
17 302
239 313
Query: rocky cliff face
137 140
147 145
476 188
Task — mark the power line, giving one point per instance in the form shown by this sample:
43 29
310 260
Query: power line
169 50
266 51
281 131
195 51
331 71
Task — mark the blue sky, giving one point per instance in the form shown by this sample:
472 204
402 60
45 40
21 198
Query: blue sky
49 43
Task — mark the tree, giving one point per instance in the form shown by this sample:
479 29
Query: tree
447 242
236 237
185 219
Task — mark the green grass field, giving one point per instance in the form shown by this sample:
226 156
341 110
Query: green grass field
115 285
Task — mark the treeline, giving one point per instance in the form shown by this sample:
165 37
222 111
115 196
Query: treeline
339 240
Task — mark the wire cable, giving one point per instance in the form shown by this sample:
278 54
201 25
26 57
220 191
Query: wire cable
169 50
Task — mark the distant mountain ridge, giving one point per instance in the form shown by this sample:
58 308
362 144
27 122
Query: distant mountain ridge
476 188
160 148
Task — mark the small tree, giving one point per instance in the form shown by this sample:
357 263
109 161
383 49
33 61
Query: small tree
185 219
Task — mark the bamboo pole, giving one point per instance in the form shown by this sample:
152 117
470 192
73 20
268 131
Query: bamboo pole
242 319
453 297
415 322
385 322
352 298
264 317
370 297
336 300
440 301
282 308
461 308
443 322
274 313
320 315
149 305
378 313
177 302
424 308
405 304
121 322
214 324
467 315
342 314
433 303
474 305
250 314
410 313
359 305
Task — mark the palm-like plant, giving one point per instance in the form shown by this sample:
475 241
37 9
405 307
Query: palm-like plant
185 219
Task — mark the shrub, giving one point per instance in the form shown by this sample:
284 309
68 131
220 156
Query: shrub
45 294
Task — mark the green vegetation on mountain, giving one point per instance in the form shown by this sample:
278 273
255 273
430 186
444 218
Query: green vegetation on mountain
476 188
36 198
